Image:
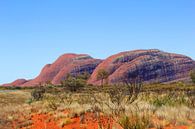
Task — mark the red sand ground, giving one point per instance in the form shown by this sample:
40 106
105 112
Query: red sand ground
46 121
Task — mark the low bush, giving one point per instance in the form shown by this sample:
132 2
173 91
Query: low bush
192 75
169 99
51 102
37 93
73 84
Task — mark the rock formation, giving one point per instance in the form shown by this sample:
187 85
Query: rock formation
18 82
64 65
148 65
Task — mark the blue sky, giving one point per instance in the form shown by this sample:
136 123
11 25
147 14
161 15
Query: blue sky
35 32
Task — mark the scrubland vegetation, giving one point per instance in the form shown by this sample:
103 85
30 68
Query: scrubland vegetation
74 104
192 75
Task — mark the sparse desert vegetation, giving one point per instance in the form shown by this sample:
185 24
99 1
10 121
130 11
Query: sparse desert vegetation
97 64
192 75
128 106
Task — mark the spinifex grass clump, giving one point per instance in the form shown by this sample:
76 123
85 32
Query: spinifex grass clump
135 121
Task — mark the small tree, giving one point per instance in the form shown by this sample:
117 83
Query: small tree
73 83
192 75
102 75
121 95
84 76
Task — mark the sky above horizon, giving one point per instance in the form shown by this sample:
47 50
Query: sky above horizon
36 32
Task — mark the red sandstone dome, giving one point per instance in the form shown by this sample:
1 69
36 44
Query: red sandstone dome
149 65
57 71
16 83
65 64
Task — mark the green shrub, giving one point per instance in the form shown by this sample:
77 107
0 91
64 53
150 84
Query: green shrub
169 99
158 102
74 84
192 75
37 94
102 75
83 76
180 84
29 101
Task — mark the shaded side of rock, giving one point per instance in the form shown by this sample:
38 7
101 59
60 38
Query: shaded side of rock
148 65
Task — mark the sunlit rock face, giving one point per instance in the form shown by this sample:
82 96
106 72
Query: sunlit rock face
148 65
64 65
151 66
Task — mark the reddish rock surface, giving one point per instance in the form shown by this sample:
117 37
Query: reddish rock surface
76 67
18 82
149 65
65 64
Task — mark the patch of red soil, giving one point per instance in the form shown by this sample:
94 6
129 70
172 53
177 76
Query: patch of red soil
42 121
177 127
87 121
